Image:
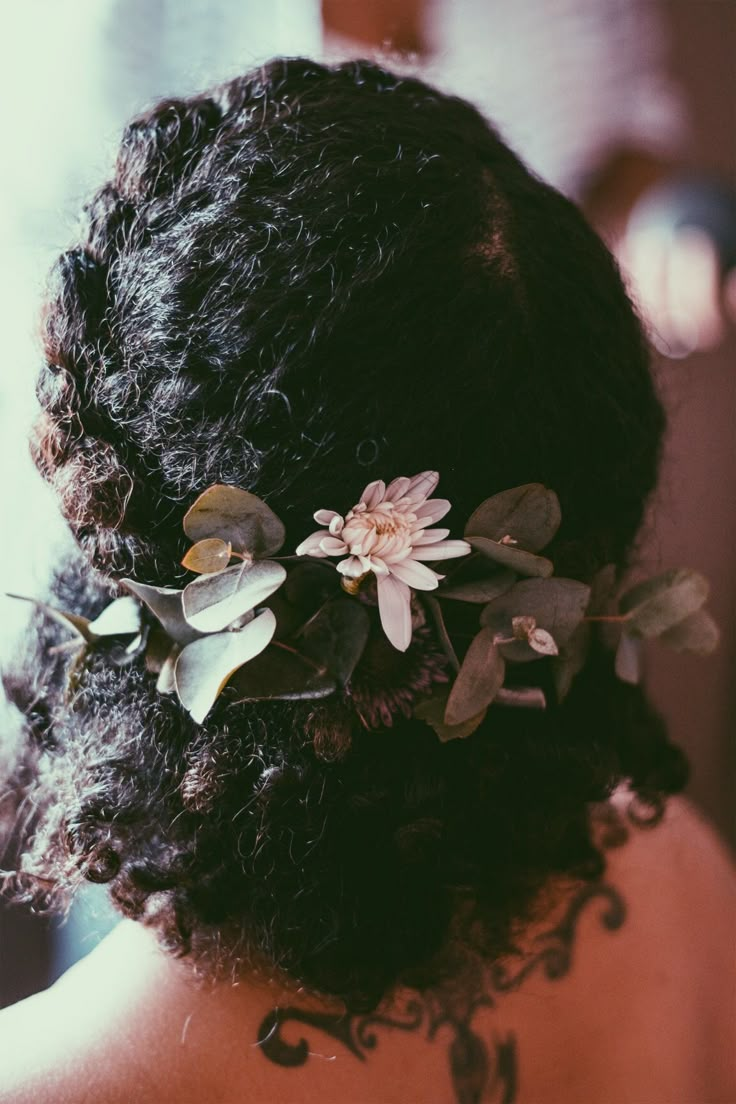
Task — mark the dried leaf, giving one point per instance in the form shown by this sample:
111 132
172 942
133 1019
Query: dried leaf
235 516
571 660
281 673
166 606
628 663
523 626
479 679
508 555
444 637
432 710
543 642
698 633
480 591
530 515
203 667
78 625
656 605
336 636
212 602
121 618
557 606
207 556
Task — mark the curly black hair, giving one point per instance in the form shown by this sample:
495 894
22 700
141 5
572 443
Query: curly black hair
308 278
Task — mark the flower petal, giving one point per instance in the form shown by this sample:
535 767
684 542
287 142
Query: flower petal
352 566
429 512
397 488
336 525
333 546
311 546
415 575
373 494
394 607
427 536
324 517
421 486
444 550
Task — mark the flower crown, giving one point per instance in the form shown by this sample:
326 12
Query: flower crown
302 626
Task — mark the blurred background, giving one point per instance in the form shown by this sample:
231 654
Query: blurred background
628 106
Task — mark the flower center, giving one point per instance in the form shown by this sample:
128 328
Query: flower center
373 530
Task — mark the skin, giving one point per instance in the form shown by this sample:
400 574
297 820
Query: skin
641 1010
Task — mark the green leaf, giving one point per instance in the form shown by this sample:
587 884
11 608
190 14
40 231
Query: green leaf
529 514
656 605
120 618
212 602
509 555
479 679
480 591
698 633
281 673
207 556
557 605
628 662
336 636
78 625
203 667
166 606
235 516
432 711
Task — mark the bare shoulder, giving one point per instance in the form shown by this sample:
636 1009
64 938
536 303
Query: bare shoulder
671 982
679 859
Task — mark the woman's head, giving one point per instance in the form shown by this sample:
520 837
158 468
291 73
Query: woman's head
308 279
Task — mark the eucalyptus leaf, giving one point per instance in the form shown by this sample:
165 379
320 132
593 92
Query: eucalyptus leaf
530 515
212 602
603 589
479 680
336 636
557 605
235 516
656 605
444 637
166 683
281 673
121 618
698 633
166 606
524 697
432 711
571 660
204 666
480 591
310 583
628 662
207 556
78 625
509 555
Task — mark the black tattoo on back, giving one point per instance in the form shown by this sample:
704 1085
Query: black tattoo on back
481 1069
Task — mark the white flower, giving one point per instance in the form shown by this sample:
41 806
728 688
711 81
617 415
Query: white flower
386 533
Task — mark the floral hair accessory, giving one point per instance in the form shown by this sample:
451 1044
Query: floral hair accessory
379 628
387 533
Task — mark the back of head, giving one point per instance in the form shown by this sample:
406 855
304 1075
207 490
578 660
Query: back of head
308 279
